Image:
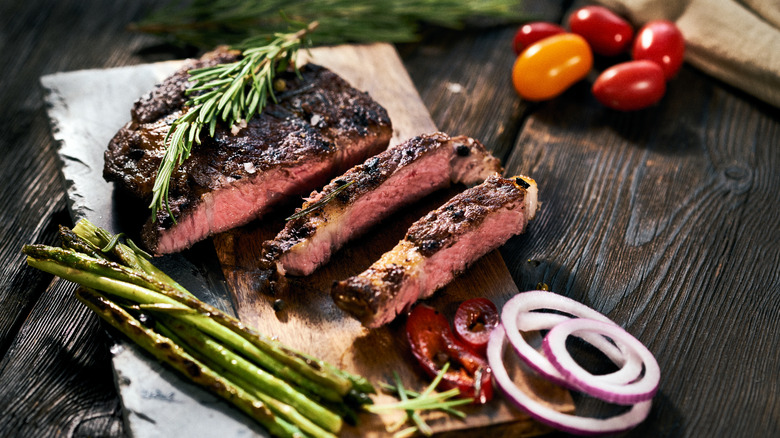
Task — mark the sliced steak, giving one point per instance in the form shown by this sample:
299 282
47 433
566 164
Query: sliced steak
438 247
319 127
374 189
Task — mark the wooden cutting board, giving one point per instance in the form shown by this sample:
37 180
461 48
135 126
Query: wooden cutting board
89 104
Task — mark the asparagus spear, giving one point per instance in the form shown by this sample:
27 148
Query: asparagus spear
131 257
93 264
130 285
256 377
281 409
324 374
71 240
167 351
97 260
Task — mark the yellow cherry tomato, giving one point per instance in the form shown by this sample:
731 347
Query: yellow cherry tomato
548 67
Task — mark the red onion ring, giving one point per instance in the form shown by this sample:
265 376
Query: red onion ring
554 346
524 302
559 420
629 362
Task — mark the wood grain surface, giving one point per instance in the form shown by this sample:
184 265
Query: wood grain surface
665 219
312 323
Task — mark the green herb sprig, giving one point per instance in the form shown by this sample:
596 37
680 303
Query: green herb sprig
414 403
231 92
321 203
206 23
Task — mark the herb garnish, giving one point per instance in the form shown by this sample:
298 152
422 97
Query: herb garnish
321 203
231 92
413 403
207 23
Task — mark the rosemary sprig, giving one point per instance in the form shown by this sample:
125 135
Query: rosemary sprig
231 92
413 403
321 203
206 23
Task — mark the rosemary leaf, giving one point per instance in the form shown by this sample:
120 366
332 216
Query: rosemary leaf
413 403
225 87
207 23
321 203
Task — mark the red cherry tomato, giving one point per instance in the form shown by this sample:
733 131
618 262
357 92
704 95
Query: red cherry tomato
474 320
550 66
433 344
530 33
662 42
607 33
631 85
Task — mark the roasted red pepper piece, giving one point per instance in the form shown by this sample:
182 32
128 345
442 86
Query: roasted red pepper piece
474 320
434 344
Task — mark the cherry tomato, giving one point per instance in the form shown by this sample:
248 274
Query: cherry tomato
550 66
433 344
530 33
607 33
662 42
631 85
474 320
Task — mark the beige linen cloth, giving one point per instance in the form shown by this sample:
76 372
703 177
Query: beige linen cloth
737 42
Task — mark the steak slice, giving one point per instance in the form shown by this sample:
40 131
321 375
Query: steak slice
438 247
376 188
319 127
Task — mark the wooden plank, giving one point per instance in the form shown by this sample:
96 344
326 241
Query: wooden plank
311 322
37 400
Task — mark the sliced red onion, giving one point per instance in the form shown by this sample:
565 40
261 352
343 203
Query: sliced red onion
559 420
554 346
630 363
521 303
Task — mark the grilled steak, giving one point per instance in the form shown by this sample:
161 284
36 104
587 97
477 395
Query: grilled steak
437 248
319 127
375 189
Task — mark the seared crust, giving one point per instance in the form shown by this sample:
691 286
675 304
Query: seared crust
318 118
468 226
464 213
306 119
372 190
362 178
373 292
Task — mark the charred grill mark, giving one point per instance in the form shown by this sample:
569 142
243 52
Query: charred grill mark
429 247
343 196
393 274
462 150
295 92
303 231
136 154
371 165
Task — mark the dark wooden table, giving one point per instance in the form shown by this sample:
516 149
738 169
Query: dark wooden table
666 219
